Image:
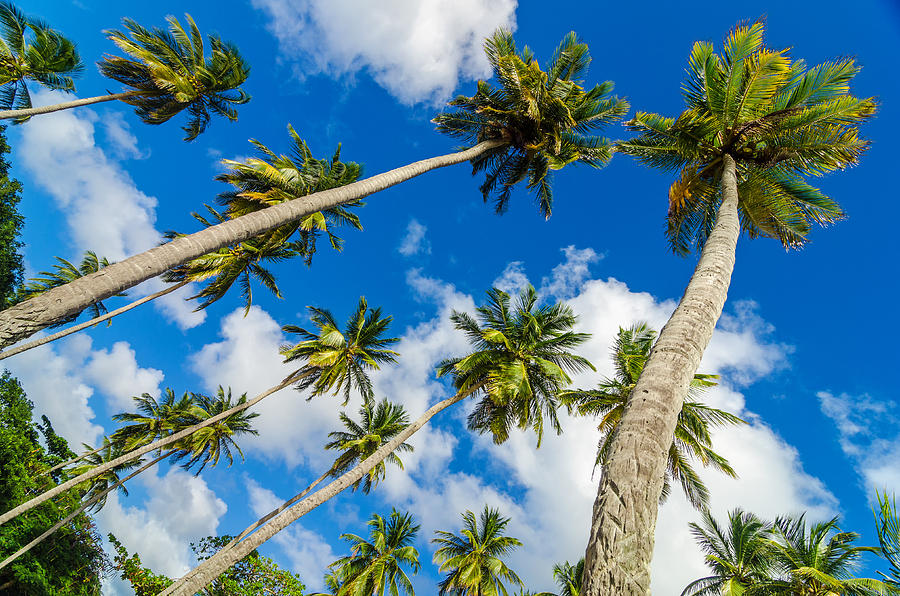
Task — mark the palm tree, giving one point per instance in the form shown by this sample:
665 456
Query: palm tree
522 359
47 58
692 439
153 419
375 566
755 126
564 125
473 559
739 555
569 577
166 73
887 525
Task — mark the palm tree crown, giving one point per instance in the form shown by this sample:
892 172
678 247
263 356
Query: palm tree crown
375 566
154 419
473 558
47 58
692 439
378 425
339 361
168 72
545 118
521 362
568 577
110 450
778 120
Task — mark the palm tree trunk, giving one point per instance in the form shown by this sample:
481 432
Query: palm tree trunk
617 560
29 112
84 506
73 460
211 568
91 323
96 471
19 321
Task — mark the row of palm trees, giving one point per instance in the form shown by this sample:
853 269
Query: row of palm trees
756 124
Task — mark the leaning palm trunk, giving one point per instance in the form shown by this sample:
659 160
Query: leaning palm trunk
96 320
617 560
80 510
94 472
211 568
29 112
29 316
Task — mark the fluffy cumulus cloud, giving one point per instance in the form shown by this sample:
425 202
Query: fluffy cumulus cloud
105 210
867 431
414 242
416 49
117 374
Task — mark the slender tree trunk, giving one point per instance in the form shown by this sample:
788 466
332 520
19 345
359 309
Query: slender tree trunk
72 461
96 471
84 506
617 560
19 321
91 323
211 568
28 112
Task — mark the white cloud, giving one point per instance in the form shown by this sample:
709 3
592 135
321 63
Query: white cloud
414 241
513 279
567 278
416 49
118 133
117 374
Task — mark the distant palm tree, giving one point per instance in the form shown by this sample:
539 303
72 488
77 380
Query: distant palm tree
473 559
755 126
692 438
47 58
537 122
375 566
153 419
569 577
168 72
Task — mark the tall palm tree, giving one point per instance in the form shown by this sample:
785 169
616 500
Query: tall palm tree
739 555
691 440
569 577
522 359
473 559
31 50
755 125
375 566
153 419
167 72
564 126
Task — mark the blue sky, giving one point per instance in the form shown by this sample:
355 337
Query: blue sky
804 347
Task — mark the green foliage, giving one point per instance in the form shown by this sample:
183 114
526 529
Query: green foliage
520 363
31 50
11 266
777 119
71 561
692 438
378 425
544 118
887 524
169 72
472 559
568 577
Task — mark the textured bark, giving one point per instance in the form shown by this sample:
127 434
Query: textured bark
84 506
25 318
94 472
96 320
620 548
28 112
211 568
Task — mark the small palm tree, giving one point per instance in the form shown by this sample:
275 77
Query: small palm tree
153 419
340 361
168 72
44 56
375 566
692 439
569 577
740 555
473 559
887 524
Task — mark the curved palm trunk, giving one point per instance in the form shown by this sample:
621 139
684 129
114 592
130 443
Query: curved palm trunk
80 510
29 112
94 472
617 560
73 460
29 316
211 568
91 323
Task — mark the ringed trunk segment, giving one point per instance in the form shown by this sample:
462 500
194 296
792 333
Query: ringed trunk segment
211 568
22 320
91 323
29 112
94 472
620 548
